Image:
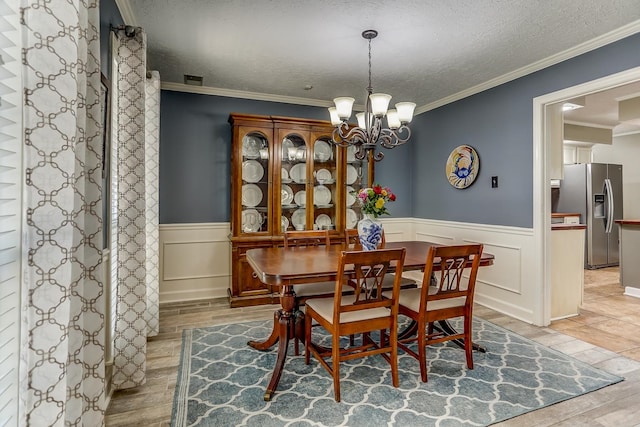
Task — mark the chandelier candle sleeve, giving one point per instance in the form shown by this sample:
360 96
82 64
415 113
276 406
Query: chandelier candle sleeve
370 133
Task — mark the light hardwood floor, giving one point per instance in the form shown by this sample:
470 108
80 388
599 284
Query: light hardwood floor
605 335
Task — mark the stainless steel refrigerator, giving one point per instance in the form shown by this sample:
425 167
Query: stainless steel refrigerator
594 190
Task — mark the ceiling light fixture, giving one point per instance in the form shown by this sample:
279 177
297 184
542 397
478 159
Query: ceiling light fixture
568 106
369 132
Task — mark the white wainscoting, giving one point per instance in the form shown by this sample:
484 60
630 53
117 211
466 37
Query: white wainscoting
506 285
195 260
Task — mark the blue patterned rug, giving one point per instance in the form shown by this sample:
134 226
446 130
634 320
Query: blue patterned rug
221 382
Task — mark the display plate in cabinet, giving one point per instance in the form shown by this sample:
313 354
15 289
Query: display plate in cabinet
352 218
298 173
287 195
251 195
323 219
324 176
251 221
351 199
287 144
352 175
351 153
322 151
251 147
321 195
252 171
300 198
298 217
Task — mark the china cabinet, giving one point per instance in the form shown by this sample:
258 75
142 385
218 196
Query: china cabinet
286 175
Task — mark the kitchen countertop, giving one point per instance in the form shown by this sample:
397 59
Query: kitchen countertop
562 214
561 226
628 221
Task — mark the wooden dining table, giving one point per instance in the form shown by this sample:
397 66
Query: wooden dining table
277 266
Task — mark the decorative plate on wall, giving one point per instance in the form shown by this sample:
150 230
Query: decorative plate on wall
462 167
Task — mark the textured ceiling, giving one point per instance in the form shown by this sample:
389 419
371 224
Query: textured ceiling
427 50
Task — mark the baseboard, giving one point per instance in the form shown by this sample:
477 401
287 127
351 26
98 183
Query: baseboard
632 292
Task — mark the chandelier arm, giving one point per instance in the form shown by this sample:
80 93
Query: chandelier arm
344 137
393 138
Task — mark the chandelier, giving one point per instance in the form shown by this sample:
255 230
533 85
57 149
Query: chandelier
369 132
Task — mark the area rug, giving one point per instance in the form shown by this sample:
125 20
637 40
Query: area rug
221 382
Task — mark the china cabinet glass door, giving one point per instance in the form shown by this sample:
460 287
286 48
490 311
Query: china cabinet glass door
325 194
294 172
356 178
255 172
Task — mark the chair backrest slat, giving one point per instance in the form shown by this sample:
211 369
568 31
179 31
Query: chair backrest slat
369 269
453 261
306 238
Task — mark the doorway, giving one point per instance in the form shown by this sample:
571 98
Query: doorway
543 147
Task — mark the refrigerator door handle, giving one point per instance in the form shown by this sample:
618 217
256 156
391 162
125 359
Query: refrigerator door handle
609 191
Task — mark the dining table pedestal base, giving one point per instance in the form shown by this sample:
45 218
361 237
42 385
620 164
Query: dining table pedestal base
286 325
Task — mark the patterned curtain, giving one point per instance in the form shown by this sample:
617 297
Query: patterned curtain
136 232
151 147
62 362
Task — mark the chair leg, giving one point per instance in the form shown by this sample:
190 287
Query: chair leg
335 368
468 345
393 342
307 338
422 350
298 330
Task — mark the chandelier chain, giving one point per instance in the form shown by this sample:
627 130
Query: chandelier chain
370 88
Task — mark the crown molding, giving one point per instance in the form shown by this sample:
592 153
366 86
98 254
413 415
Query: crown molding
126 12
603 40
634 132
232 93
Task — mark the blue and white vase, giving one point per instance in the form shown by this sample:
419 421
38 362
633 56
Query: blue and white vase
370 232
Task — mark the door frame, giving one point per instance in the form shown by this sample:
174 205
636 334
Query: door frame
542 189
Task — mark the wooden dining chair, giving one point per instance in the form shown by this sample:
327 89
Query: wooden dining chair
352 242
449 296
306 238
309 238
362 312
302 239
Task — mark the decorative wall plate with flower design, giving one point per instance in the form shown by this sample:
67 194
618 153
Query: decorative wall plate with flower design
462 167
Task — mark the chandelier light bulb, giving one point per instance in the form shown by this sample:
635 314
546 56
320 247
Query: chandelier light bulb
405 111
344 104
392 119
379 103
333 113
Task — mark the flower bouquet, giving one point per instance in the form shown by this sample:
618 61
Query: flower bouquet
374 203
374 200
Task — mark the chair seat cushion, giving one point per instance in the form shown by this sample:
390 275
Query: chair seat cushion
318 288
387 281
324 307
410 298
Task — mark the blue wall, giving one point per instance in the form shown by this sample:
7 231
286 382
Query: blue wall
195 140
195 156
498 123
